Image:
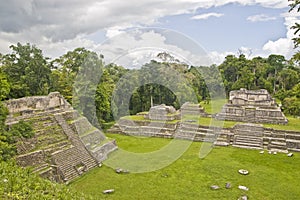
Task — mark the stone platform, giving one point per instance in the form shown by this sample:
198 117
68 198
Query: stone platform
254 106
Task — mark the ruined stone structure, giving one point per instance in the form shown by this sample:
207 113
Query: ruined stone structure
249 135
255 106
192 109
65 144
162 112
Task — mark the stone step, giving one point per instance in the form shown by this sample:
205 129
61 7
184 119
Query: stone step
40 167
292 137
221 143
191 132
247 147
293 149
278 143
248 144
40 115
277 139
203 130
250 140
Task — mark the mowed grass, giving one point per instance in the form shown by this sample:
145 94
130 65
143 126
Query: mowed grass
189 177
214 106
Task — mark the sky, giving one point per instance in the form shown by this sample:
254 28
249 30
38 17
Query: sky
129 33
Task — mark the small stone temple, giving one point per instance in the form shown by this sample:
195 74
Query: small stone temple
162 112
255 106
65 144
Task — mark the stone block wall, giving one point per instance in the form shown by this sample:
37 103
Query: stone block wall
30 104
252 136
31 159
252 115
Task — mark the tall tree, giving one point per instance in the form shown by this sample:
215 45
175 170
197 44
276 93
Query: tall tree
65 69
27 70
85 86
295 5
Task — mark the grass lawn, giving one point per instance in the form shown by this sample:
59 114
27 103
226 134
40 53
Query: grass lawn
189 177
214 105
293 124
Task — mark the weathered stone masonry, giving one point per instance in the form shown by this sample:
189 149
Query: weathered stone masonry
251 136
65 144
255 106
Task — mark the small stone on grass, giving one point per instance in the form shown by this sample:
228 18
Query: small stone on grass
243 171
290 154
214 187
241 187
108 191
228 186
244 197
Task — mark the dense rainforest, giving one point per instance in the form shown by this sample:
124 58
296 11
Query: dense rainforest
83 78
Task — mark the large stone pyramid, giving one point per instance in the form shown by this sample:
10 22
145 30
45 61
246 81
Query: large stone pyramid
65 144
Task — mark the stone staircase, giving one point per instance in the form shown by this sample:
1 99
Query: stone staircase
293 141
68 160
73 162
87 136
248 136
248 142
58 151
278 145
64 145
197 132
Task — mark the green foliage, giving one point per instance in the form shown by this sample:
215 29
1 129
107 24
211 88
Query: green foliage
17 183
27 71
8 137
292 106
103 97
65 69
295 5
4 86
85 86
22 129
103 93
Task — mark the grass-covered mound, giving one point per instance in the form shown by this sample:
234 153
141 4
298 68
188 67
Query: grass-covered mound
189 177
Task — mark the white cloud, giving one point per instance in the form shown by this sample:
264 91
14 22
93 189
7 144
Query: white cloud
206 16
219 57
134 48
260 18
58 26
284 46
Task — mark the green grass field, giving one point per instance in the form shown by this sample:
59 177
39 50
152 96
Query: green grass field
189 177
